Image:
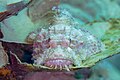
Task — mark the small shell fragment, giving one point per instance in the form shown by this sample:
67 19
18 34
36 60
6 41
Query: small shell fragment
3 56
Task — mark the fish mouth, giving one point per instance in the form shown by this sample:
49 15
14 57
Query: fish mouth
58 63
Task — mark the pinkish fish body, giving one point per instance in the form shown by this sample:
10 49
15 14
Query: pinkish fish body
61 45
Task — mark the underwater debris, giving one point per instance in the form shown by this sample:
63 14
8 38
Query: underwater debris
12 9
3 56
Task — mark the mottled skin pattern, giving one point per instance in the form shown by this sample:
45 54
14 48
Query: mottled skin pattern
62 45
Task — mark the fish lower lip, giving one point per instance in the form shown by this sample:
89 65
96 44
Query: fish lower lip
57 62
